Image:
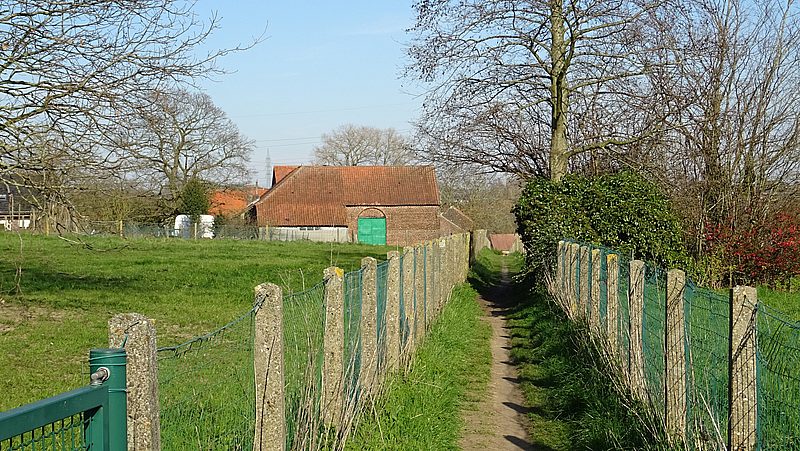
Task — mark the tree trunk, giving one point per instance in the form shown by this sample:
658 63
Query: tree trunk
559 94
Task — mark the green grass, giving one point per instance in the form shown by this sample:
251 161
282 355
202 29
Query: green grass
68 293
450 371
572 404
784 301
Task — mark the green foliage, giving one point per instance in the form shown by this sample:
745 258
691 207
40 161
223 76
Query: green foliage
421 410
194 199
622 210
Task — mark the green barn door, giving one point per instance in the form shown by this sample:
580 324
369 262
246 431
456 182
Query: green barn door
372 230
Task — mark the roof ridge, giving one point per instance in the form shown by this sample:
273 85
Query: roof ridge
280 183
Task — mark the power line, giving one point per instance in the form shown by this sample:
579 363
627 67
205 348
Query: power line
332 110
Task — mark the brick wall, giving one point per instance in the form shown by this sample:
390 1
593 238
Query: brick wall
404 225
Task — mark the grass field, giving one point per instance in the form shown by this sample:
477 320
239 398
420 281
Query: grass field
68 292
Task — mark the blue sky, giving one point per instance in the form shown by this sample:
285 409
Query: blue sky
321 65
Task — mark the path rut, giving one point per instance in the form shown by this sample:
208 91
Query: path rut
498 423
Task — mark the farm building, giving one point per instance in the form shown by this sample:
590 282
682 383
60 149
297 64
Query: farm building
16 212
395 205
233 202
455 221
506 242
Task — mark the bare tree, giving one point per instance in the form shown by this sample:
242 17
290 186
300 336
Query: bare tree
524 86
726 81
70 71
183 136
351 145
487 199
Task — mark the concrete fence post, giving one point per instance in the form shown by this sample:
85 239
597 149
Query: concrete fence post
419 294
369 324
594 298
441 280
584 283
429 297
675 364
464 257
393 311
333 348
479 241
574 256
408 302
742 398
636 304
270 424
137 335
612 303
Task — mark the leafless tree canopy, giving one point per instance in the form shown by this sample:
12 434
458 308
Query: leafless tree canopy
181 136
352 145
523 86
73 71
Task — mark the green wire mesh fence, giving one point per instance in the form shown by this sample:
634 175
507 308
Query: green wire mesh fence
653 334
65 434
352 334
717 375
303 332
206 389
707 342
778 380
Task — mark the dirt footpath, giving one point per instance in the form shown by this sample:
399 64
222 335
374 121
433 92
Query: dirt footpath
497 424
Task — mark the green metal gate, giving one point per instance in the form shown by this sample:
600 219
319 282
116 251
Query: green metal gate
88 418
372 230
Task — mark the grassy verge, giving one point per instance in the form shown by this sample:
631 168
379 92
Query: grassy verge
67 293
572 403
450 371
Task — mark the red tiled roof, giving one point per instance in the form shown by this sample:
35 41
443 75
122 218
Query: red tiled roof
280 172
458 218
232 201
317 195
502 241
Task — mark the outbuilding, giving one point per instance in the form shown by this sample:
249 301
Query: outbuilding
395 205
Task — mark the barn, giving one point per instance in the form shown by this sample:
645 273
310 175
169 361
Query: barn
395 205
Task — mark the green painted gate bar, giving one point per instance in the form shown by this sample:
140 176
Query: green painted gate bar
101 407
372 230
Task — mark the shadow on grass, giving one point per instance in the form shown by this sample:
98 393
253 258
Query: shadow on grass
39 279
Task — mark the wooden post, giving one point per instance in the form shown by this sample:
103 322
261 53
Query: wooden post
612 302
636 305
594 301
742 398
675 357
333 348
393 311
137 335
369 324
270 424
